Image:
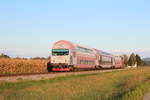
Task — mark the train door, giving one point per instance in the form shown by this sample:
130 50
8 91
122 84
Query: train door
97 61
113 62
73 58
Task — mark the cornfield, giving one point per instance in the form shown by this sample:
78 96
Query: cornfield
15 66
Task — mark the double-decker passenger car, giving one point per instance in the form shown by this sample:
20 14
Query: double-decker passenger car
118 62
105 60
68 56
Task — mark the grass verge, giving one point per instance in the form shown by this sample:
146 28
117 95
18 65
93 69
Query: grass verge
129 84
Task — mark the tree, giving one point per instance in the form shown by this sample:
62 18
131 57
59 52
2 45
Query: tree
132 60
138 60
125 59
4 56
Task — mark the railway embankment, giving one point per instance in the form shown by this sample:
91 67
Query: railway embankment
47 75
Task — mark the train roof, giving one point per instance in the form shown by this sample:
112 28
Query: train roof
70 44
103 52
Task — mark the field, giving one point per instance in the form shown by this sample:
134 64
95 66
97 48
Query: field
14 66
130 84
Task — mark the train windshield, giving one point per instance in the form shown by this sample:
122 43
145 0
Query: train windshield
60 52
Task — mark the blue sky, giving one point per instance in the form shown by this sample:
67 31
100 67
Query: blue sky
29 28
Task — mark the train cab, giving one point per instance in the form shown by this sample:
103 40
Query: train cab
62 56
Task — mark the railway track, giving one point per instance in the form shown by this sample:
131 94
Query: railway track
23 74
40 73
46 75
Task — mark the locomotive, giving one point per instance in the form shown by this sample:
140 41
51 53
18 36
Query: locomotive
68 56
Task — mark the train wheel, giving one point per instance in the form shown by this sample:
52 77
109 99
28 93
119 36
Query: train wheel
49 66
113 67
71 68
100 67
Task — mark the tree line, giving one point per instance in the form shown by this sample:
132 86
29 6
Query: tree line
33 58
133 60
4 56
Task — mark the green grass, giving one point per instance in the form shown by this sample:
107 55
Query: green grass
129 84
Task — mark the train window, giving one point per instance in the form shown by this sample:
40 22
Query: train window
85 50
105 53
60 52
106 60
88 62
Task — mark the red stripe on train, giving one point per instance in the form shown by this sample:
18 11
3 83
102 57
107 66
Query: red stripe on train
61 69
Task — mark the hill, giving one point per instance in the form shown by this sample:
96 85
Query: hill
147 60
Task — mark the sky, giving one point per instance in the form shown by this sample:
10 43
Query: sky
28 28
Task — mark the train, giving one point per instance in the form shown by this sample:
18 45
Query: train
68 56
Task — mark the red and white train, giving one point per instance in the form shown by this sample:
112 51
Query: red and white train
67 56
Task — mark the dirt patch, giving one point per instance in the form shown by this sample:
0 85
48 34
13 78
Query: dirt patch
147 96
